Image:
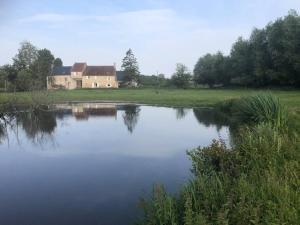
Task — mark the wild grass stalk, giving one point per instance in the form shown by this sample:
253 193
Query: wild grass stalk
261 108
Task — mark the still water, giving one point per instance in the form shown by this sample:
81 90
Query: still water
89 163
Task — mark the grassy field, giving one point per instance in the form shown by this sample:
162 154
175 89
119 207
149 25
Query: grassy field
171 97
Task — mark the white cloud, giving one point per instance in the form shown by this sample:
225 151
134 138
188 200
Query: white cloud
148 15
58 18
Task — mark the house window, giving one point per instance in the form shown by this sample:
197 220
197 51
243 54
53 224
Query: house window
95 85
87 77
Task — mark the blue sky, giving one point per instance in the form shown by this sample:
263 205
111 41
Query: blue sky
160 32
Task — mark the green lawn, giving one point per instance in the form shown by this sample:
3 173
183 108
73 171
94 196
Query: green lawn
172 97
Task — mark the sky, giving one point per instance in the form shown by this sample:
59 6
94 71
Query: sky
161 33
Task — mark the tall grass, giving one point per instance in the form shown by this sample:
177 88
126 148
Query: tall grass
261 108
257 181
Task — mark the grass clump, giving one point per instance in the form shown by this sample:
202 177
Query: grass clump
260 108
256 181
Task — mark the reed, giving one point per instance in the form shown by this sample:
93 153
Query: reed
261 108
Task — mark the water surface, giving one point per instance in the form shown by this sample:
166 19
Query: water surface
89 163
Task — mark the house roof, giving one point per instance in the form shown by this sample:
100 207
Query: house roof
78 67
61 70
100 70
119 75
88 70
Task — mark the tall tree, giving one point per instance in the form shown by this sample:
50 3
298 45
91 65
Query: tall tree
26 56
130 67
284 47
182 77
42 66
261 57
58 62
211 70
242 64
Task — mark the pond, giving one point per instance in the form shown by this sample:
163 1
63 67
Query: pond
89 163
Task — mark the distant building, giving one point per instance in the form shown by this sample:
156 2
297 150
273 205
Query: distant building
80 75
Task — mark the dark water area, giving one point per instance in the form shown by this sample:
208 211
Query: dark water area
89 163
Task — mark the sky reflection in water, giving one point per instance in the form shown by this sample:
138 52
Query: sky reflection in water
90 163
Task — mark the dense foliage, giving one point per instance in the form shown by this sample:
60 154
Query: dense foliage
256 181
270 57
29 70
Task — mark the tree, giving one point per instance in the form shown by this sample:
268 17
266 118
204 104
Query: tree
130 68
24 81
182 77
242 64
26 56
271 56
8 75
284 47
58 62
211 70
42 67
261 57
3 78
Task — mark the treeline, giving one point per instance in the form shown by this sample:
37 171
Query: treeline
29 69
270 57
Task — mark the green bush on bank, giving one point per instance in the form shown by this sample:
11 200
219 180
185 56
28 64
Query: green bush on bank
256 181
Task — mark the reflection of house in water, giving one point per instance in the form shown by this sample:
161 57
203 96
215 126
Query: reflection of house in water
82 111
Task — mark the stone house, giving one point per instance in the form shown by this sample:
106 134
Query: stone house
80 75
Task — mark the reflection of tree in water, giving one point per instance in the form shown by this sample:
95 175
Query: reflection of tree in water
7 119
181 113
130 116
38 123
210 117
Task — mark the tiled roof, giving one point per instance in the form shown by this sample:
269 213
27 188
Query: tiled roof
61 70
78 67
100 70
